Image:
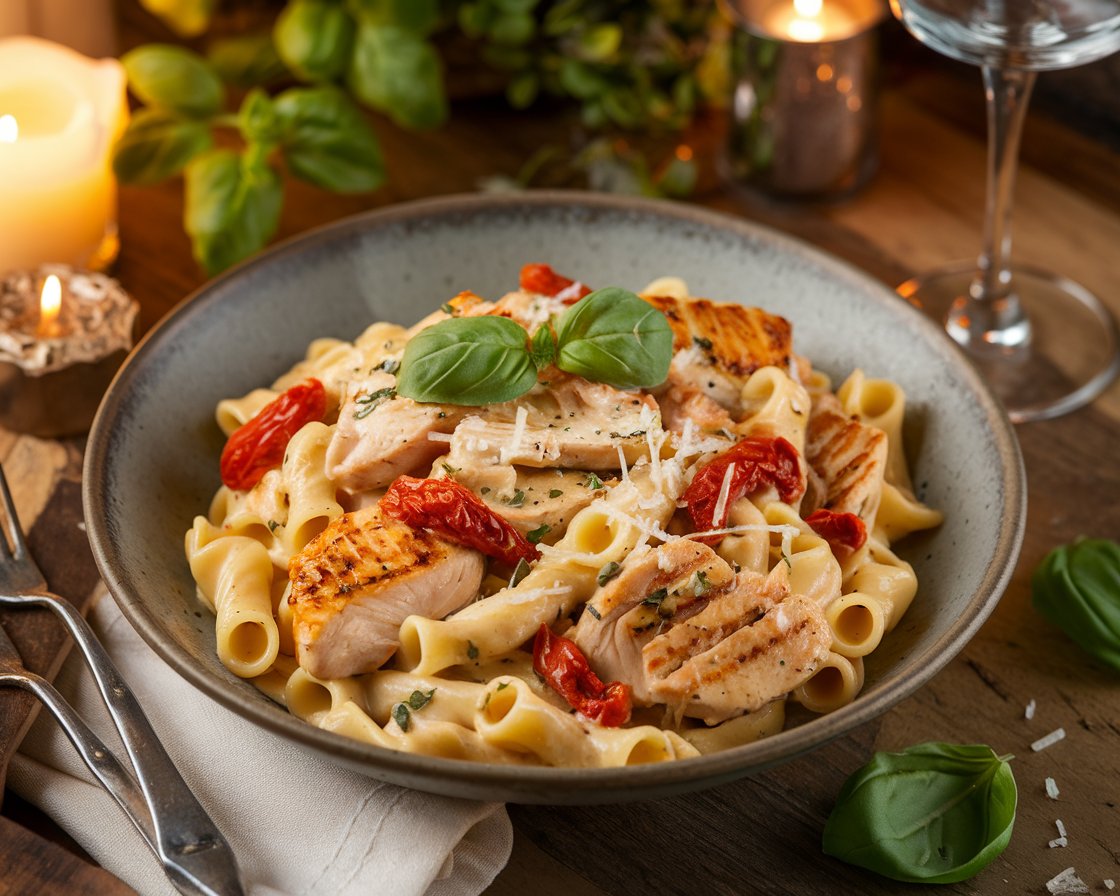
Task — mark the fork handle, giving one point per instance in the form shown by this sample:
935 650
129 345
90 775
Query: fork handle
92 749
193 851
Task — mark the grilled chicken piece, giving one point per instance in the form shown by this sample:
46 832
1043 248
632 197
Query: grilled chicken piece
710 647
569 423
371 448
718 345
354 584
680 404
850 459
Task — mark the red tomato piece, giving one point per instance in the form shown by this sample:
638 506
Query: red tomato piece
258 446
453 511
757 463
562 664
844 532
542 279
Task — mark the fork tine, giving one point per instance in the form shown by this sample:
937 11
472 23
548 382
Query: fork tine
14 545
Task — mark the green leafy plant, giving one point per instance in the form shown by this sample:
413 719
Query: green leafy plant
934 813
631 65
1077 587
610 336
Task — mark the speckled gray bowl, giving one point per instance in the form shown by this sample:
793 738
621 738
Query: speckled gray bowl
152 465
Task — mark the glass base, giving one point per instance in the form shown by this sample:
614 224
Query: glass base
1066 358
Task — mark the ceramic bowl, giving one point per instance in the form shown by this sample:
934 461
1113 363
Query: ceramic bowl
151 463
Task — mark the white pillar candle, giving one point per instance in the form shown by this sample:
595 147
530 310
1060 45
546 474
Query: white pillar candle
60 114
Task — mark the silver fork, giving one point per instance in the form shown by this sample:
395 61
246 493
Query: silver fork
194 854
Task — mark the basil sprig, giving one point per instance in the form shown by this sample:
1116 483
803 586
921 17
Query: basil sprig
1077 587
610 336
934 813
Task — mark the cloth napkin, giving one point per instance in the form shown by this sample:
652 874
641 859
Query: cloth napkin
297 823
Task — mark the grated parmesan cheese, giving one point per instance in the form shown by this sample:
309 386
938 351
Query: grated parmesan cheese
528 595
508 451
1109 883
441 437
724 493
1049 740
1066 883
622 465
1051 788
1028 713
1059 841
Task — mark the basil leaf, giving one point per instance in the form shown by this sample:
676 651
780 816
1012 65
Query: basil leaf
256 119
537 534
420 699
399 73
613 337
401 715
174 79
314 38
543 348
934 813
327 141
246 60
187 18
232 207
157 145
467 360
418 16
1077 587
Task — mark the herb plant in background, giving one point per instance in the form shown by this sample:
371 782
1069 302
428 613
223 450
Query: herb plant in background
630 64
933 813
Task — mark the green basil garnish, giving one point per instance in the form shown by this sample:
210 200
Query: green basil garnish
537 534
934 813
1077 587
467 360
610 336
613 337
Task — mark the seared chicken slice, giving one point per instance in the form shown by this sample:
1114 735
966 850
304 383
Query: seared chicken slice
381 435
565 422
850 459
718 345
680 404
682 630
354 584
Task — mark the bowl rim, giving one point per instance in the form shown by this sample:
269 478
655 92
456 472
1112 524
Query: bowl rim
545 783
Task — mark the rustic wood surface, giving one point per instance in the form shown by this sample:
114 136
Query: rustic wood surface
762 834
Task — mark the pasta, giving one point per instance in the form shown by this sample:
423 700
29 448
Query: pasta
433 577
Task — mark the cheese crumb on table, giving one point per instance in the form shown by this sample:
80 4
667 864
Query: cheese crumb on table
1065 883
1049 740
1052 788
1028 713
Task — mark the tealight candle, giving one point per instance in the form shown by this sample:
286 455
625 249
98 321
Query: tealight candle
63 334
60 114
803 108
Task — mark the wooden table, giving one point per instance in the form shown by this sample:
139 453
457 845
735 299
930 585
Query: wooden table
762 834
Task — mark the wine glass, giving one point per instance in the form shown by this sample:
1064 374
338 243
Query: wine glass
1045 344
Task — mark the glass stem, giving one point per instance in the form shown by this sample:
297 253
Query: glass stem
990 316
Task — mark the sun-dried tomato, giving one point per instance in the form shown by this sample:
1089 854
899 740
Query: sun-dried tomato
258 446
844 532
452 510
562 664
542 279
757 463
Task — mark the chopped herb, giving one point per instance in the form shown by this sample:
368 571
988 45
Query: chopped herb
700 584
704 342
519 572
389 365
502 685
401 716
345 588
472 651
593 482
593 612
485 490
517 500
450 470
447 308
608 572
633 435
656 599
537 534
555 492
418 699
273 525
372 401
781 662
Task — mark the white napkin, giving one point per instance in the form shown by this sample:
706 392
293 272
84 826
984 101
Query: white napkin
297 823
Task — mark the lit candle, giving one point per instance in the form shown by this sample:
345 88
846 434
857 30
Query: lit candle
810 21
63 334
60 114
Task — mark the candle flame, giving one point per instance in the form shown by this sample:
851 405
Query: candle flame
9 129
50 303
806 25
808 9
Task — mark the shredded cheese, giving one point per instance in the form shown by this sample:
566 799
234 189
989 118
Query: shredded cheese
441 437
1052 788
1049 740
1109 883
528 595
508 451
1028 713
622 465
1066 883
724 493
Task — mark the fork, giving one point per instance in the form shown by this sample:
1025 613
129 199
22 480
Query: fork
195 855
